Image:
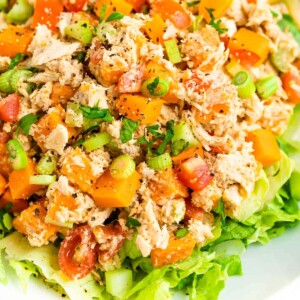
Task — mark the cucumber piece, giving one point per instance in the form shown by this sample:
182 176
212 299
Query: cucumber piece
118 282
183 131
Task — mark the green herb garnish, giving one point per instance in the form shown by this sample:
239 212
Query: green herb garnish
127 129
215 24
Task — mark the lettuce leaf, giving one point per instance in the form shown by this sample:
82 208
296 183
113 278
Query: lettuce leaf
17 248
287 23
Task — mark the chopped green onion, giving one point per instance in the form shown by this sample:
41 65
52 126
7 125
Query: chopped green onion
180 233
17 155
80 31
215 24
183 131
20 12
118 282
245 85
233 67
114 16
160 162
15 60
42 179
30 87
193 3
17 76
102 13
122 167
26 122
155 87
47 164
267 87
3 4
81 56
173 51
127 129
5 86
131 222
96 141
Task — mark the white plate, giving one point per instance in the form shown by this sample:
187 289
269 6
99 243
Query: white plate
271 272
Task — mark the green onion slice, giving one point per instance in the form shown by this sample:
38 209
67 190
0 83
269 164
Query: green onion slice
42 179
155 87
160 162
245 85
122 167
96 141
17 76
17 155
267 87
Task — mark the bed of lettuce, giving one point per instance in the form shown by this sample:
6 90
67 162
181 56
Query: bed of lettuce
272 208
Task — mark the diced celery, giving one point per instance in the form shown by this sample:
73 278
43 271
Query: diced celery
173 51
118 282
5 86
74 116
96 141
42 179
17 76
67 224
20 12
294 185
80 31
245 85
7 221
87 123
160 162
183 131
267 87
47 164
122 167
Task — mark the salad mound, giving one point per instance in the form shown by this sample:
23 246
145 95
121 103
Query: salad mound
144 145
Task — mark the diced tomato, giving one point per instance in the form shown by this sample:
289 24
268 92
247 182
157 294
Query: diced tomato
291 85
74 6
131 81
172 10
9 108
77 254
195 174
115 236
244 57
47 12
137 4
192 211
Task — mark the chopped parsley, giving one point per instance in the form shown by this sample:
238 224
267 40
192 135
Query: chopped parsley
15 60
114 16
131 222
96 113
193 3
26 122
215 24
152 86
180 233
127 129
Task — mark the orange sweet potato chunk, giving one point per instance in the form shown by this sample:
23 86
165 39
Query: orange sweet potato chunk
177 250
111 192
19 182
78 168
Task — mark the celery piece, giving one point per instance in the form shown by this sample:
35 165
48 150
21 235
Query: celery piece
122 167
47 164
282 58
5 86
7 221
66 224
183 131
17 155
160 162
245 85
267 87
96 141
20 12
17 76
74 116
118 282
173 51
42 179
80 31
294 185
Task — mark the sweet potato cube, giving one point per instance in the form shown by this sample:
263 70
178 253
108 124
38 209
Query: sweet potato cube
61 94
266 149
17 204
3 184
19 182
120 6
78 168
111 192
139 108
177 250
167 186
155 29
32 222
5 166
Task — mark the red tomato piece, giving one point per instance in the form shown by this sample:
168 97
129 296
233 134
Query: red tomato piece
9 108
74 6
46 12
195 174
77 254
291 85
192 211
137 4
131 81
246 58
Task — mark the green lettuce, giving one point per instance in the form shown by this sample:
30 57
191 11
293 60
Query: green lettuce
17 249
